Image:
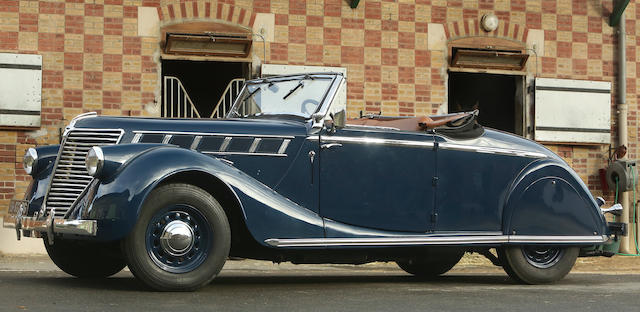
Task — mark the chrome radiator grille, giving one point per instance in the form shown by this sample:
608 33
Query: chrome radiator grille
70 176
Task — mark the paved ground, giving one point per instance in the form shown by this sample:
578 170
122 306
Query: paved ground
596 284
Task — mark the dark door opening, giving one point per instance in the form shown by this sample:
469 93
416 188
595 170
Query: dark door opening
497 97
203 81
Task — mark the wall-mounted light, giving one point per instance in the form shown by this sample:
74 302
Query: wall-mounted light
489 22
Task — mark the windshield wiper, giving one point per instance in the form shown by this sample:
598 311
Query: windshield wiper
298 86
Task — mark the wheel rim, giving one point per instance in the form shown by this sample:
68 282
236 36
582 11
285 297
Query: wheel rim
178 238
542 256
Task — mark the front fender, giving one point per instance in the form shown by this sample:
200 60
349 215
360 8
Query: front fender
549 198
41 177
120 195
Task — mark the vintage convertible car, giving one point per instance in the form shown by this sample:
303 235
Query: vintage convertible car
286 178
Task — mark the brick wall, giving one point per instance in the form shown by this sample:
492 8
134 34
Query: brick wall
94 60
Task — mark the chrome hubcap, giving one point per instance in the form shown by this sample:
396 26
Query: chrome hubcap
542 257
177 238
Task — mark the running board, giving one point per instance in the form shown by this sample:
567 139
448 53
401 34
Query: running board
435 240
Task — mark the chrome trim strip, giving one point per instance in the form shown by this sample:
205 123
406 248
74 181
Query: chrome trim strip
254 145
283 146
167 138
245 153
136 138
62 226
196 142
214 134
225 144
369 140
491 150
432 240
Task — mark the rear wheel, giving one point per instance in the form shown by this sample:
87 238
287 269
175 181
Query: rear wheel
86 259
538 264
181 239
432 264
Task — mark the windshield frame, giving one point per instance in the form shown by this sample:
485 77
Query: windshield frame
323 107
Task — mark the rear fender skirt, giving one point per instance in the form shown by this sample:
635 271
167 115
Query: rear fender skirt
549 199
119 198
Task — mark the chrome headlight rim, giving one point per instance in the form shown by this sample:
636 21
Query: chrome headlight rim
94 161
30 161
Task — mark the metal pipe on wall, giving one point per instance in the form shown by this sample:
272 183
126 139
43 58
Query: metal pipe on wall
623 138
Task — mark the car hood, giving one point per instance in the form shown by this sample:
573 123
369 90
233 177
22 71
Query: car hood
231 126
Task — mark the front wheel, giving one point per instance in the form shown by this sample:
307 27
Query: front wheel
538 264
181 239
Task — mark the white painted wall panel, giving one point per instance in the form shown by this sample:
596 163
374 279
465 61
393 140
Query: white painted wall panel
20 90
572 111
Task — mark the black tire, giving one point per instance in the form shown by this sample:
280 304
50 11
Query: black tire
86 259
158 264
506 266
432 264
538 264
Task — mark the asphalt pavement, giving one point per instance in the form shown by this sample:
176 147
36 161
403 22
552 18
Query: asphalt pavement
34 284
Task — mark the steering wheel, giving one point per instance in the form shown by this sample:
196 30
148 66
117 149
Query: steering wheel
309 106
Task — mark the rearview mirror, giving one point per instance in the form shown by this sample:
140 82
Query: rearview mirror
318 120
340 118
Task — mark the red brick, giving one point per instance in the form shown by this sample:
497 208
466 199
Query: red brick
92 80
8 40
352 55
594 51
549 6
262 6
372 10
372 73
74 24
563 49
372 38
406 40
93 9
355 23
469 14
51 42
93 44
112 62
131 81
281 19
406 75
73 61
332 36
52 79
389 25
111 99
406 12
113 26
579 37
151 3
518 5
148 65
423 58
389 56
51 7
130 12
423 93
389 91
486 4
356 90
28 22
9 5
579 7
549 65
421 27
115 2
297 7
564 22
297 34
333 7
315 21
534 20
438 14
72 99
579 67
131 45
279 51
314 53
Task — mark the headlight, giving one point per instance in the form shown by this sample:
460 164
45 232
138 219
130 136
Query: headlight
94 161
30 160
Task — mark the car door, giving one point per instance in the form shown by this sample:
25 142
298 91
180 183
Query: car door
376 178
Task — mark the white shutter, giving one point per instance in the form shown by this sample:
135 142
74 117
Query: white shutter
20 90
572 111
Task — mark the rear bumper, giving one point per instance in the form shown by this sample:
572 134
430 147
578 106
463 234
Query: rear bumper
16 220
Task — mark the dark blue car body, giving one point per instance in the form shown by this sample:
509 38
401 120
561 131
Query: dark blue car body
291 188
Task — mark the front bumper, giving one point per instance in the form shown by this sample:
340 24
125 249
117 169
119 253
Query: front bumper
16 219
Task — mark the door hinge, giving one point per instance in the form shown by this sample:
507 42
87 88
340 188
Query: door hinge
434 181
434 217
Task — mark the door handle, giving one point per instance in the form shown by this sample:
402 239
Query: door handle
330 145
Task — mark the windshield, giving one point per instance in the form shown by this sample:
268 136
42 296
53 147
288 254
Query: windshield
300 96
